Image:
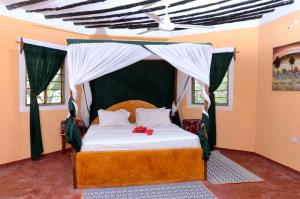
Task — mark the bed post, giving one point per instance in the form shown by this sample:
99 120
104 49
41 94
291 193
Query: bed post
73 162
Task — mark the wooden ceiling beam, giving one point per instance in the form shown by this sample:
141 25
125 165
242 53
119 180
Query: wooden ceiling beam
258 7
238 6
207 22
210 13
261 7
137 18
263 10
118 8
68 6
228 17
200 20
266 9
23 3
236 20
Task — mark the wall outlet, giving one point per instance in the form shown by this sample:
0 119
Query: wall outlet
294 140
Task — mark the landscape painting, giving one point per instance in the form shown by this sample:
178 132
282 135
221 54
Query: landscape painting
286 67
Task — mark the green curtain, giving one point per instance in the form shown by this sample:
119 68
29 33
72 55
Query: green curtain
147 80
219 66
203 137
42 65
73 134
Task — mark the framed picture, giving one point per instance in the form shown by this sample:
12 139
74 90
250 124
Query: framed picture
286 67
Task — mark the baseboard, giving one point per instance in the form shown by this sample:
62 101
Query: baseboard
226 149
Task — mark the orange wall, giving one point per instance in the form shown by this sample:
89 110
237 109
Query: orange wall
278 112
14 142
258 122
236 128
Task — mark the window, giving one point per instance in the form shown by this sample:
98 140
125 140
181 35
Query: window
53 95
53 98
221 94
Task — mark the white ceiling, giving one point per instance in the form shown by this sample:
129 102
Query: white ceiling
65 25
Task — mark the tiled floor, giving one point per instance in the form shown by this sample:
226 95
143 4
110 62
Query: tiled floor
51 177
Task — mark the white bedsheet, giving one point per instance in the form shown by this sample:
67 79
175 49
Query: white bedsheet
121 138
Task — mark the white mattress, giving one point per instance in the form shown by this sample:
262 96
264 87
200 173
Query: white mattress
121 138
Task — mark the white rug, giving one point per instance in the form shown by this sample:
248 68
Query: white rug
186 190
222 170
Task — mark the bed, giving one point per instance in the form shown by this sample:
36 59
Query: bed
114 156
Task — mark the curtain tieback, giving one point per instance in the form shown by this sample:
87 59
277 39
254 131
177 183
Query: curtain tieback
33 94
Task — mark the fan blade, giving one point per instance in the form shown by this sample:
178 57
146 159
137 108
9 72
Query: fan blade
148 30
153 16
192 26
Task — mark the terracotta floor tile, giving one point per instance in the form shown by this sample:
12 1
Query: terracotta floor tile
51 178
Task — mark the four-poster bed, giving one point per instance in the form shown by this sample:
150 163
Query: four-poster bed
91 59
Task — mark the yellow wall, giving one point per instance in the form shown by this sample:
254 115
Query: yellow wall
278 112
14 142
262 120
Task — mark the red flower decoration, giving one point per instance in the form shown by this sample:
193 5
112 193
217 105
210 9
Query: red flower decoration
139 129
142 129
149 131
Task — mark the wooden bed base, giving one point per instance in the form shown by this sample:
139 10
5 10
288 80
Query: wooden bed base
140 167
128 168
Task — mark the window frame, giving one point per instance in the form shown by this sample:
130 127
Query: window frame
217 104
45 91
22 80
227 107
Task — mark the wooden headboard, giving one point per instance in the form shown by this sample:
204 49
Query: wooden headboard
130 106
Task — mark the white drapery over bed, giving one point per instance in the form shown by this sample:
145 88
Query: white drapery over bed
88 60
190 59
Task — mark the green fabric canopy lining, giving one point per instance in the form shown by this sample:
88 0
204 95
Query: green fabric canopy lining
148 80
78 41
42 65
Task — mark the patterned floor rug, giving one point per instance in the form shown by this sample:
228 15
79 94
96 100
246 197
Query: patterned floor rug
186 190
222 170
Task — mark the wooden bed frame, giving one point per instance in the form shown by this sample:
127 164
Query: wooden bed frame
136 167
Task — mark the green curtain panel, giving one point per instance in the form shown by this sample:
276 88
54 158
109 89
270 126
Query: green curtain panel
142 43
203 140
73 134
147 80
219 66
42 64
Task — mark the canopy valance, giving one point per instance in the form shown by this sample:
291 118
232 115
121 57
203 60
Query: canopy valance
141 43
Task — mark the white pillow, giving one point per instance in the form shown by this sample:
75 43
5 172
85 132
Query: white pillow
139 110
113 118
154 117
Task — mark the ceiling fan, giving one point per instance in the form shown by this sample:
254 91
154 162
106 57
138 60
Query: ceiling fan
165 24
